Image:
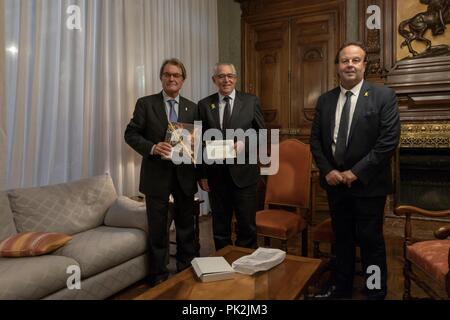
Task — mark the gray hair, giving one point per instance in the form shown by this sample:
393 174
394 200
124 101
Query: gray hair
217 65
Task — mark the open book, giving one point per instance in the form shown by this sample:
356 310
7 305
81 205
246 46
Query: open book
212 268
182 137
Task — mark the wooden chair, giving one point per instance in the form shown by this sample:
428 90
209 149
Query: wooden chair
323 232
289 188
426 260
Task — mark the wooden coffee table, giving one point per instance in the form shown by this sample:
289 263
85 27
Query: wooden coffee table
287 281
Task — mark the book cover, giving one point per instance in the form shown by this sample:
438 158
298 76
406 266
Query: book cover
212 269
182 137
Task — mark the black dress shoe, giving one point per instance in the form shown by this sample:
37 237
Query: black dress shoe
332 293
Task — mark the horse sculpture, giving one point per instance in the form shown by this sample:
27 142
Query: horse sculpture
435 18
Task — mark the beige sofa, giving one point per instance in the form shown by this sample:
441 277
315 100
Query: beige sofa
109 240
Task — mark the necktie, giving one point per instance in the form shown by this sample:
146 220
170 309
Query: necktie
172 114
226 113
341 141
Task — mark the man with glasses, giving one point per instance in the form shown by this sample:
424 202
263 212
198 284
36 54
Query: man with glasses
232 187
355 131
159 176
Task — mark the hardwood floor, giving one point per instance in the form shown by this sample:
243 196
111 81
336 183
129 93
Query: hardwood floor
394 246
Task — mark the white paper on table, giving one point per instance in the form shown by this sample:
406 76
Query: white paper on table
220 149
261 259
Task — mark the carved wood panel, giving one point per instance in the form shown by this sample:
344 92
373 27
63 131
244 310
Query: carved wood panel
288 54
267 66
422 83
313 46
279 8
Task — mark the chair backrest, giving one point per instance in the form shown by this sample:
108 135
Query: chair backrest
291 185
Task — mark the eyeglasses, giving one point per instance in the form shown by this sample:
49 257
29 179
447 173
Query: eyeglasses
175 75
222 76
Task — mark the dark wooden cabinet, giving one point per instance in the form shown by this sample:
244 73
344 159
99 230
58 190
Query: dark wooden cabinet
288 50
288 58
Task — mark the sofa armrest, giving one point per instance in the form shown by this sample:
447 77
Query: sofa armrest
127 213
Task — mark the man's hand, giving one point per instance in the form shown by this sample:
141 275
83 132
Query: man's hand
334 178
349 177
203 183
163 149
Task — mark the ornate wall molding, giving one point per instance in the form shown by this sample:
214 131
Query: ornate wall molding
425 135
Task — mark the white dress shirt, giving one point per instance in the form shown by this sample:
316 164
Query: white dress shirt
222 104
340 105
167 104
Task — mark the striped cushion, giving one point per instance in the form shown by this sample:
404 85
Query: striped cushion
29 244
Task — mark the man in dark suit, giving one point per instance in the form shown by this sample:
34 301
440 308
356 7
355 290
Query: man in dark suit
232 187
353 137
159 176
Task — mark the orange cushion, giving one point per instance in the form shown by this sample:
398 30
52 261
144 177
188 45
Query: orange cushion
431 256
29 244
278 223
323 232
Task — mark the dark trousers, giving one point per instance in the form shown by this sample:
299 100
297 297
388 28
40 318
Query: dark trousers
357 220
158 239
227 198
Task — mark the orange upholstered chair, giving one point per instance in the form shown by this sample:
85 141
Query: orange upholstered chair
288 189
426 260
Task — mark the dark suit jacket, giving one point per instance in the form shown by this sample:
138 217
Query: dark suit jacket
147 128
246 115
374 135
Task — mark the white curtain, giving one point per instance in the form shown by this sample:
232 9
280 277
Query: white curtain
72 78
3 146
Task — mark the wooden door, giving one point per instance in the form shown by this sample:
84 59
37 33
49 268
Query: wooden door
267 69
313 72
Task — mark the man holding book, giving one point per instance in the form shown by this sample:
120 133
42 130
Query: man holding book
160 177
